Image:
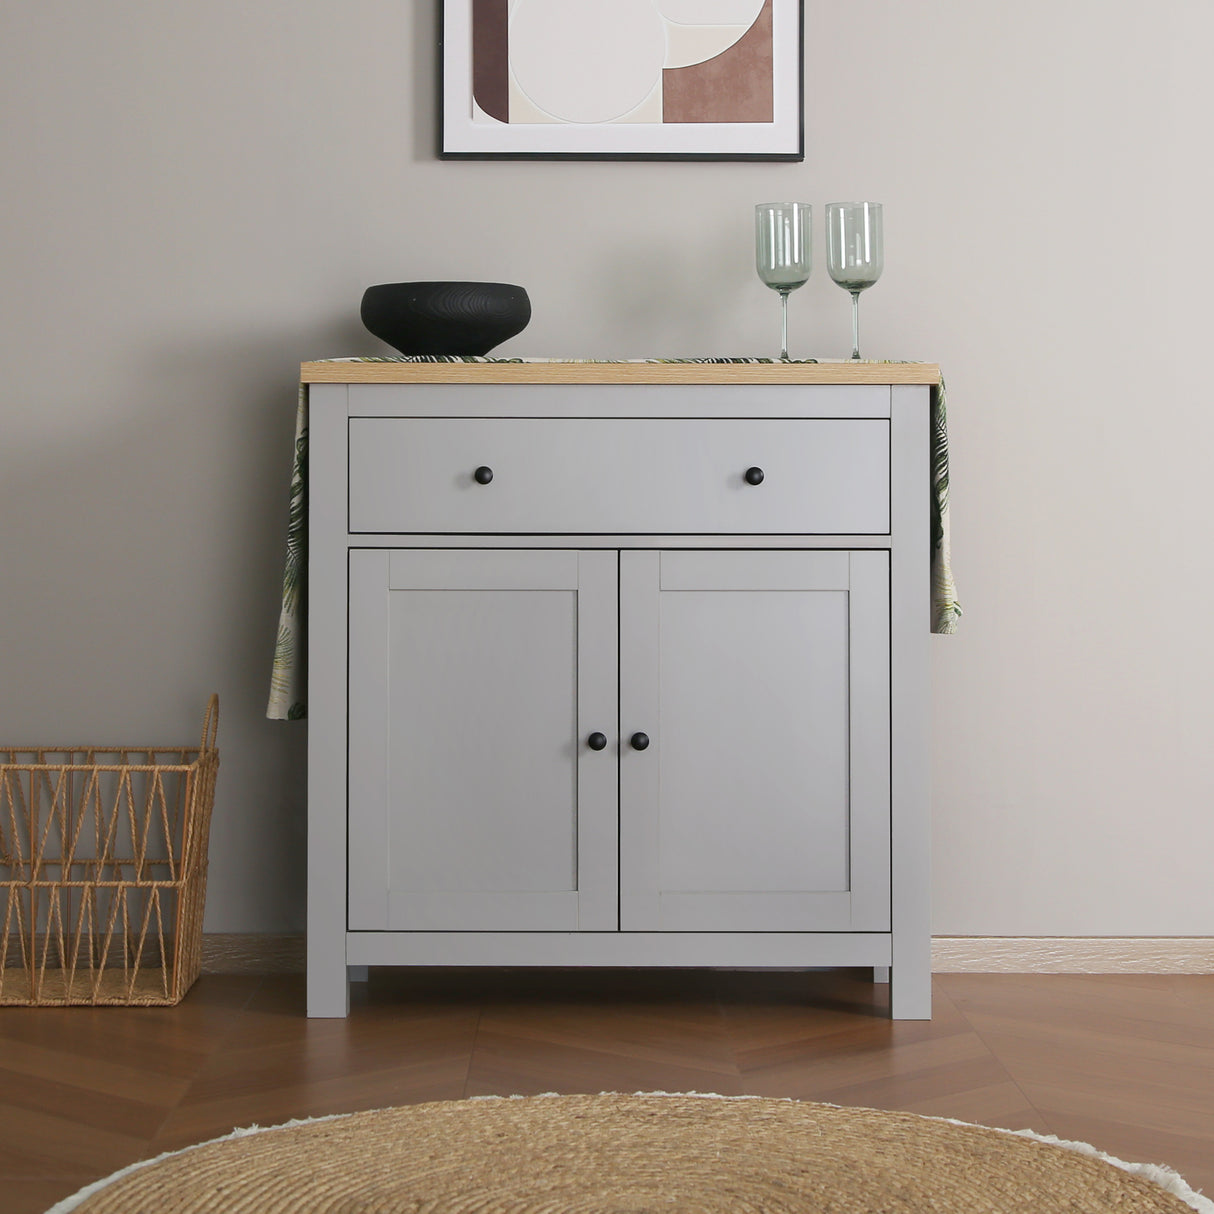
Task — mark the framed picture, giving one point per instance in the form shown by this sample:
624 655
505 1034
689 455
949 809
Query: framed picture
622 79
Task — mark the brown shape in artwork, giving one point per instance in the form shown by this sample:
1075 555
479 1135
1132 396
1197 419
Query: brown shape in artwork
735 86
490 57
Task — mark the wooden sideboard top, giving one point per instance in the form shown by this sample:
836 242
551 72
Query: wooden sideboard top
340 371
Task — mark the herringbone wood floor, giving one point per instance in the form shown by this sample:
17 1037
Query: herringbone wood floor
1125 1062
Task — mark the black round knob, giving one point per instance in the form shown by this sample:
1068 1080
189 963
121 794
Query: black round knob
754 476
597 741
639 741
483 475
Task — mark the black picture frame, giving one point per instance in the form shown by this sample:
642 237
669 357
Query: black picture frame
466 133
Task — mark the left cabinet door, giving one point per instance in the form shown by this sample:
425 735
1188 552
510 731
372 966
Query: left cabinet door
476 802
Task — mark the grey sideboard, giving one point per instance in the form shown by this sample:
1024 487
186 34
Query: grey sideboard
618 665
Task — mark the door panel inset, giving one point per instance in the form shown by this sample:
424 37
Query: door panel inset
754 745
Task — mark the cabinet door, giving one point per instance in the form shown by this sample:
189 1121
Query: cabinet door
475 803
762 800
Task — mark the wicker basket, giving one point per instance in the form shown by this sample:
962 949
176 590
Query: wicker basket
103 871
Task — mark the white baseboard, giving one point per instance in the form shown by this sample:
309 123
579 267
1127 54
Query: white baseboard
1073 954
284 954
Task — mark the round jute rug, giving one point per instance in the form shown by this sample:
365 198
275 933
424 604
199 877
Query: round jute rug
646 1152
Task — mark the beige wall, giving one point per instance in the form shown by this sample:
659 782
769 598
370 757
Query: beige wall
196 193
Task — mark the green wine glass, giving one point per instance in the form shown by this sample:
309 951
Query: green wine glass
855 253
783 252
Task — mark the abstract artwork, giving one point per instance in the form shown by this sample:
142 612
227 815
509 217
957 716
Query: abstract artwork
622 79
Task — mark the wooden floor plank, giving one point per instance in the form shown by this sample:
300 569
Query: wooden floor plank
440 1079
25 1195
851 1071
83 1106
167 1041
1099 1003
691 1037
1123 1061
504 1065
1188 1153
36 1143
100 1075
1105 1066
1002 1105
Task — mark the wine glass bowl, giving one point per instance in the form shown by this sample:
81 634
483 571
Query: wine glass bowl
783 252
855 252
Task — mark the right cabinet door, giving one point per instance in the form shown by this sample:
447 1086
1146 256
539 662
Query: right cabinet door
762 681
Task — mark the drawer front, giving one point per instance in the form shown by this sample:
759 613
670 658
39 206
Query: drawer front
629 476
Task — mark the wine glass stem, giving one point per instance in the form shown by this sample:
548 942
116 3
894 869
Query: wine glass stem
783 324
855 324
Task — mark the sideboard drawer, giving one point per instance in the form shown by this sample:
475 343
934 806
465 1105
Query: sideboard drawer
664 476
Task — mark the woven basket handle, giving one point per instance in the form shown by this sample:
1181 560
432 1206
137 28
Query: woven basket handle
210 723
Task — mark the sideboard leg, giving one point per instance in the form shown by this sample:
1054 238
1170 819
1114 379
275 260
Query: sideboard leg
328 985
328 989
880 974
358 973
910 993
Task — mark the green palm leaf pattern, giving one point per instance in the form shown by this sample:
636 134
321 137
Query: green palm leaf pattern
297 525
288 680
946 611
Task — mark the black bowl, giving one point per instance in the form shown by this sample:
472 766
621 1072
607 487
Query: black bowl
445 317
